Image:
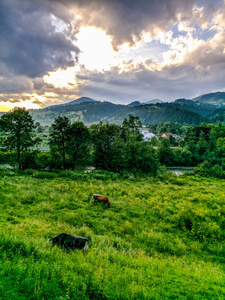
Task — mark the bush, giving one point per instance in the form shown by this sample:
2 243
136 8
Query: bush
206 169
43 175
8 157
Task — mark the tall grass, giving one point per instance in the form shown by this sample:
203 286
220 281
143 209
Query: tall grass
162 238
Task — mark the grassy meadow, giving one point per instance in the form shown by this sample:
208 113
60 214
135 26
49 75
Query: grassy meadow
162 237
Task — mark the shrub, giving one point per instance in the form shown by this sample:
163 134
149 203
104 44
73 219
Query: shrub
206 169
43 175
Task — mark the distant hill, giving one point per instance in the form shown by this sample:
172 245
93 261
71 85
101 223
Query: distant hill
74 102
135 103
154 101
93 112
212 98
200 108
183 111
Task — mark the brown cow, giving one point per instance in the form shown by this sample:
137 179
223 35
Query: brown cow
101 198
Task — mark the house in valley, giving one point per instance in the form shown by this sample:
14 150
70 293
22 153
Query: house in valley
168 134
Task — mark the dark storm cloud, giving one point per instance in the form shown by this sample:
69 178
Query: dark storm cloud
16 84
29 44
125 20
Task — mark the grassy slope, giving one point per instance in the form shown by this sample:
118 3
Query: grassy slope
161 239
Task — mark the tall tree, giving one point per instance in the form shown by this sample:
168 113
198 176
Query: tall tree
104 137
165 153
131 129
78 140
18 127
59 137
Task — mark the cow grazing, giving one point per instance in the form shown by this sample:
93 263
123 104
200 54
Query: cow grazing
100 198
69 241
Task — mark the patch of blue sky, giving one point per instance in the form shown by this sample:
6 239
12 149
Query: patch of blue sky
150 50
203 34
216 3
153 49
176 31
198 32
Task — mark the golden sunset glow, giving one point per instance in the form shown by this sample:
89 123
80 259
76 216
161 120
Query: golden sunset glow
7 106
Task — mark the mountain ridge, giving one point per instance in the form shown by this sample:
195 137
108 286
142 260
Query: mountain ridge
73 102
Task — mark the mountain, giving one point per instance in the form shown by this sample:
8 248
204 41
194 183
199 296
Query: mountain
90 111
135 103
202 109
217 99
81 100
93 112
74 102
154 101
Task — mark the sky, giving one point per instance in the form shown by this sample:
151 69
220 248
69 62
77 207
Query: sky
55 51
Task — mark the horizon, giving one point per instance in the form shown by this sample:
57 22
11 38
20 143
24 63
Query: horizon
54 52
141 102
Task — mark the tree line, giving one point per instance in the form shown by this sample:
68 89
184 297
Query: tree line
109 146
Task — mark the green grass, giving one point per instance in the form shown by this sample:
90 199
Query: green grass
162 238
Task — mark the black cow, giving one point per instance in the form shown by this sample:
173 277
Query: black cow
69 241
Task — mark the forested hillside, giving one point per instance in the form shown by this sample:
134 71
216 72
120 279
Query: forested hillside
212 98
193 112
91 113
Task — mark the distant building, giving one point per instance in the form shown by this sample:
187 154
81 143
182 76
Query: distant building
168 134
148 135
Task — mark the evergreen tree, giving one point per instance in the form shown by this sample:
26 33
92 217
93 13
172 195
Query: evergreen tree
104 137
59 138
18 127
165 153
78 142
131 129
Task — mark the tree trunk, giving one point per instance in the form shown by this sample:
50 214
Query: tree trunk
18 151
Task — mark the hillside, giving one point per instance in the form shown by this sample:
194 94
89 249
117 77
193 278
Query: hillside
154 101
207 108
74 102
93 112
153 114
212 98
202 109
162 238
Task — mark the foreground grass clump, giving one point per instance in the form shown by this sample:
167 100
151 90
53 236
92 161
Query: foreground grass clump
162 238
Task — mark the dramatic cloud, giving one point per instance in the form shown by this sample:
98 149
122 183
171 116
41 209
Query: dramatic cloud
29 43
125 21
53 51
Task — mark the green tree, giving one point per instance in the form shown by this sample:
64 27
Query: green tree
140 157
18 127
165 153
104 137
131 129
59 138
78 142
154 141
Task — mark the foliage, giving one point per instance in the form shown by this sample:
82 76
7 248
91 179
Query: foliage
121 149
190 113
59 137
168 126
165 153
207 169
18 126
78 144
130 129
104 138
